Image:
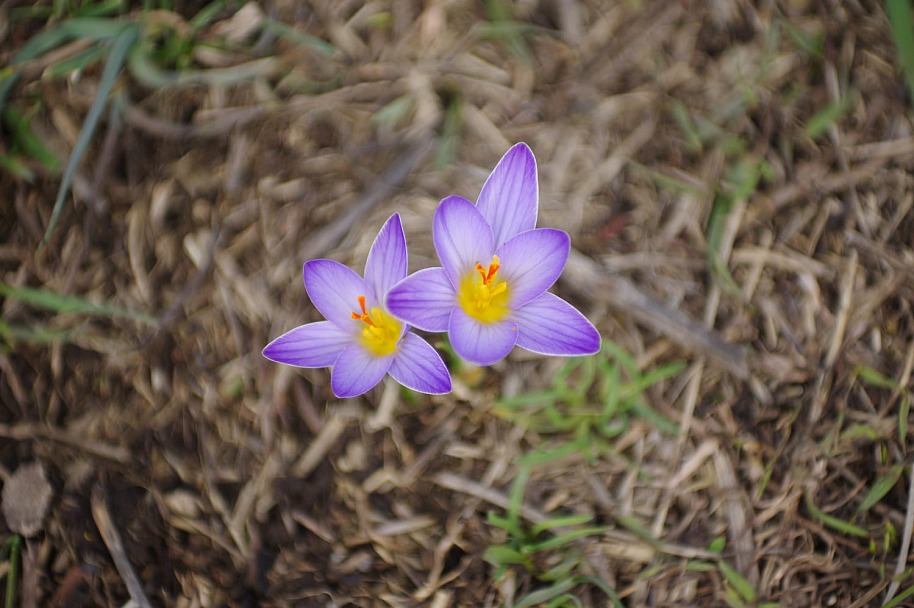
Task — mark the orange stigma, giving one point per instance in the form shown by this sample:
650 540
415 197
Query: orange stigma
489 275
364 316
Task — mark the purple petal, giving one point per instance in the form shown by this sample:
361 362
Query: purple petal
419 366
481 343
532 261
357 371
424 299
386 262
510 196
311 345
334 289
462 237
551 326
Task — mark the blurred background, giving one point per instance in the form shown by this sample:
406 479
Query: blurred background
736 177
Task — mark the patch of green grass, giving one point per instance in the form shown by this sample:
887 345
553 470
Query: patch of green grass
546 550
591 402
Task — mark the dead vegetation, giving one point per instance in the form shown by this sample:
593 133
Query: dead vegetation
737 180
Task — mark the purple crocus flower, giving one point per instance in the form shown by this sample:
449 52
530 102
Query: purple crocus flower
360 341
490 294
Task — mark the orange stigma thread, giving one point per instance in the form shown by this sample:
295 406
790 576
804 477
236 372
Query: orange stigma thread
489 275
364 316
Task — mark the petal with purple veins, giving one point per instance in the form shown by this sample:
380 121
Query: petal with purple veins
481 343
424 299
551 326
357 371
510 196
418 366
386 262
311 345
462 237
334 289
531 262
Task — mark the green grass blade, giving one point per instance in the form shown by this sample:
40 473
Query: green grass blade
60 303
736 580
500 555
898 599
556 522
13 572
8 79
16 166
95 28
883 484
875 378
544 456
105 8
564 539
24 137
509 32
544 595
901 20
78 62
604 587
116 59
35 334
829 115
834 522
516 494
664 424
41 43
903 410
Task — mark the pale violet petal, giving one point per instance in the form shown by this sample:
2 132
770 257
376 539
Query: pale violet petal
418 366
462 237
334 290
424 299
357 371
311 345
386 262
551 326
510 196
481 343
531 262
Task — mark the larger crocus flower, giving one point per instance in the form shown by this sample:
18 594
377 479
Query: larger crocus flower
490 293
360 341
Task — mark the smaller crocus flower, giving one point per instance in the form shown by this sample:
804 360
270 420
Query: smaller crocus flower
360 341
490 293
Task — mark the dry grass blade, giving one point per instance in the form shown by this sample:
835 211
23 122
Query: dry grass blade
26 431
112 538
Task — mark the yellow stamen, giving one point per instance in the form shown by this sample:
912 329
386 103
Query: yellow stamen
381 332
483 295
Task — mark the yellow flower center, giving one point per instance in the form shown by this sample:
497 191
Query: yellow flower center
381 332
482 295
